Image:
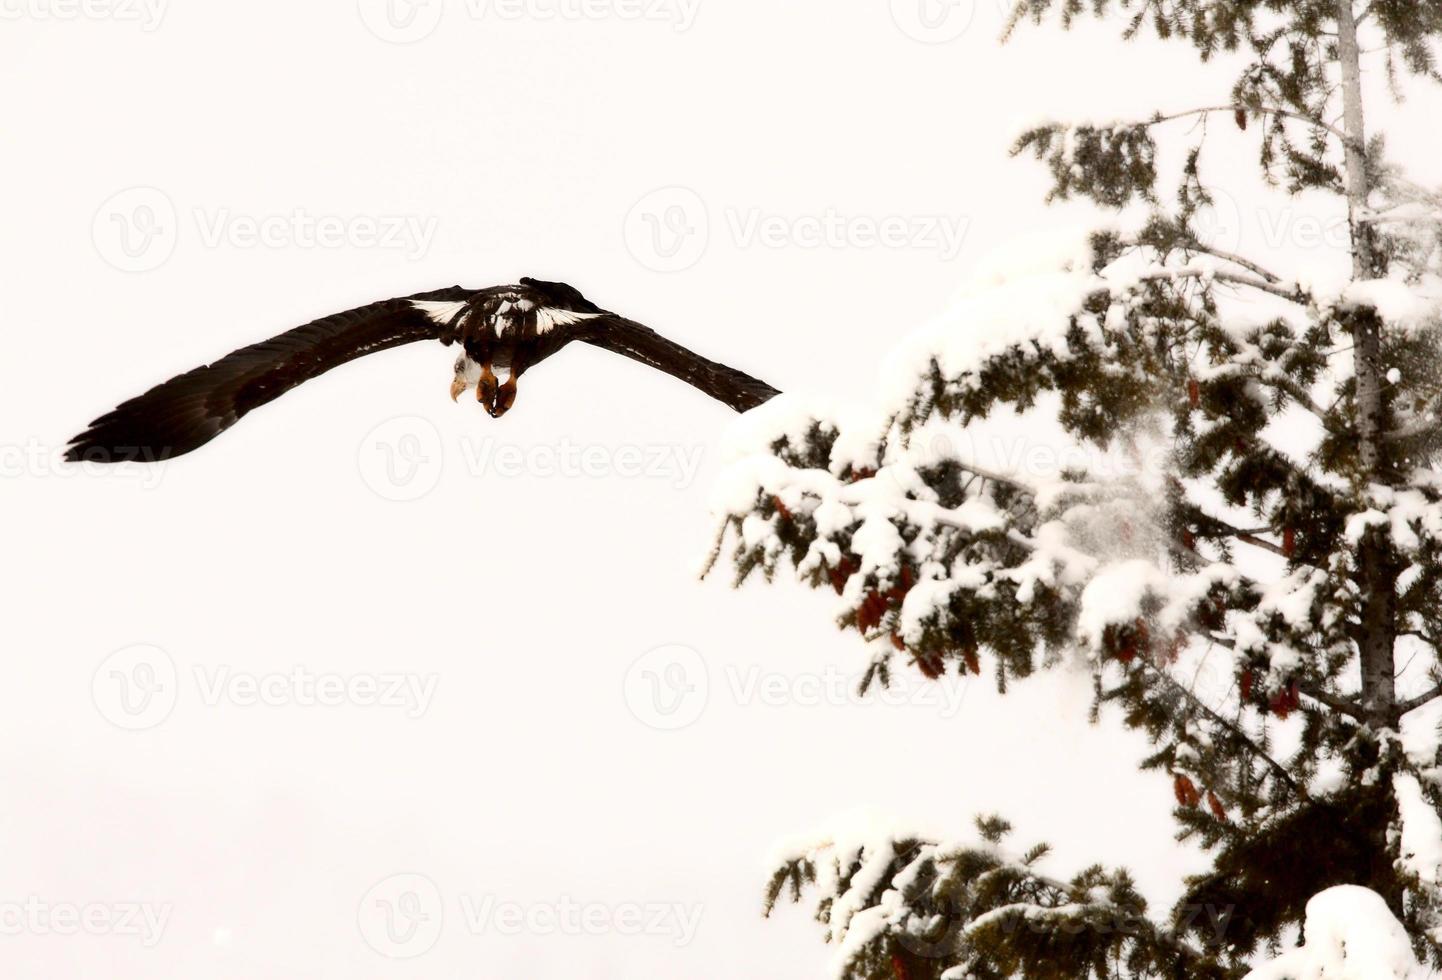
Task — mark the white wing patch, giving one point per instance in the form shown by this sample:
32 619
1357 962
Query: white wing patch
440 311
505 314
549 317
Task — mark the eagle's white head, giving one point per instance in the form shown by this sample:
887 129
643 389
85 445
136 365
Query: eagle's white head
468 373
495 395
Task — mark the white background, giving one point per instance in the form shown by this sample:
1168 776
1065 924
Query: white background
268 832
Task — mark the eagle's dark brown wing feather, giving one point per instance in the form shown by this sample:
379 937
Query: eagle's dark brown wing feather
726 384
189 410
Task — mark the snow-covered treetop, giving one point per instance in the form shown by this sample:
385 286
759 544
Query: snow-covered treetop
1239 529
1200 552
1205 399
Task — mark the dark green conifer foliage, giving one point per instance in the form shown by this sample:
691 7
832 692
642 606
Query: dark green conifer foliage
1353 525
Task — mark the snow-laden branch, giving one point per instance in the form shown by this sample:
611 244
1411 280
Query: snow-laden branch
1208 273
1412 704
1235 732
1350 932
1423 423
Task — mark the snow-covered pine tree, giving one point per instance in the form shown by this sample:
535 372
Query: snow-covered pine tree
1282 526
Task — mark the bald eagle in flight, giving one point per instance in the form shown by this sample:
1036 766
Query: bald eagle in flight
502 329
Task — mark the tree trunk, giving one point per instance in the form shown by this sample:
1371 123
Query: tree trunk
1377 572
1378 577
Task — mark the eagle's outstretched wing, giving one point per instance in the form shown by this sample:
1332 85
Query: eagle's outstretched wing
725 384
191 409
188 411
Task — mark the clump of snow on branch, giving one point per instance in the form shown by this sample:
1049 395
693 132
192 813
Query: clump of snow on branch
1350 935
963 906
853 860
1025 294
1421 830
1397 301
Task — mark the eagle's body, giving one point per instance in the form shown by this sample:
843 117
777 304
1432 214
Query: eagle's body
505 328
508 328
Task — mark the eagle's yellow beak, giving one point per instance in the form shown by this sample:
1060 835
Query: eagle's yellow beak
457 387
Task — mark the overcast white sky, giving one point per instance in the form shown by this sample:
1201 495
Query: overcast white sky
186 178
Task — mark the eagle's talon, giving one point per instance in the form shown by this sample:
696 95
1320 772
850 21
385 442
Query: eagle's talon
486 389
505 398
